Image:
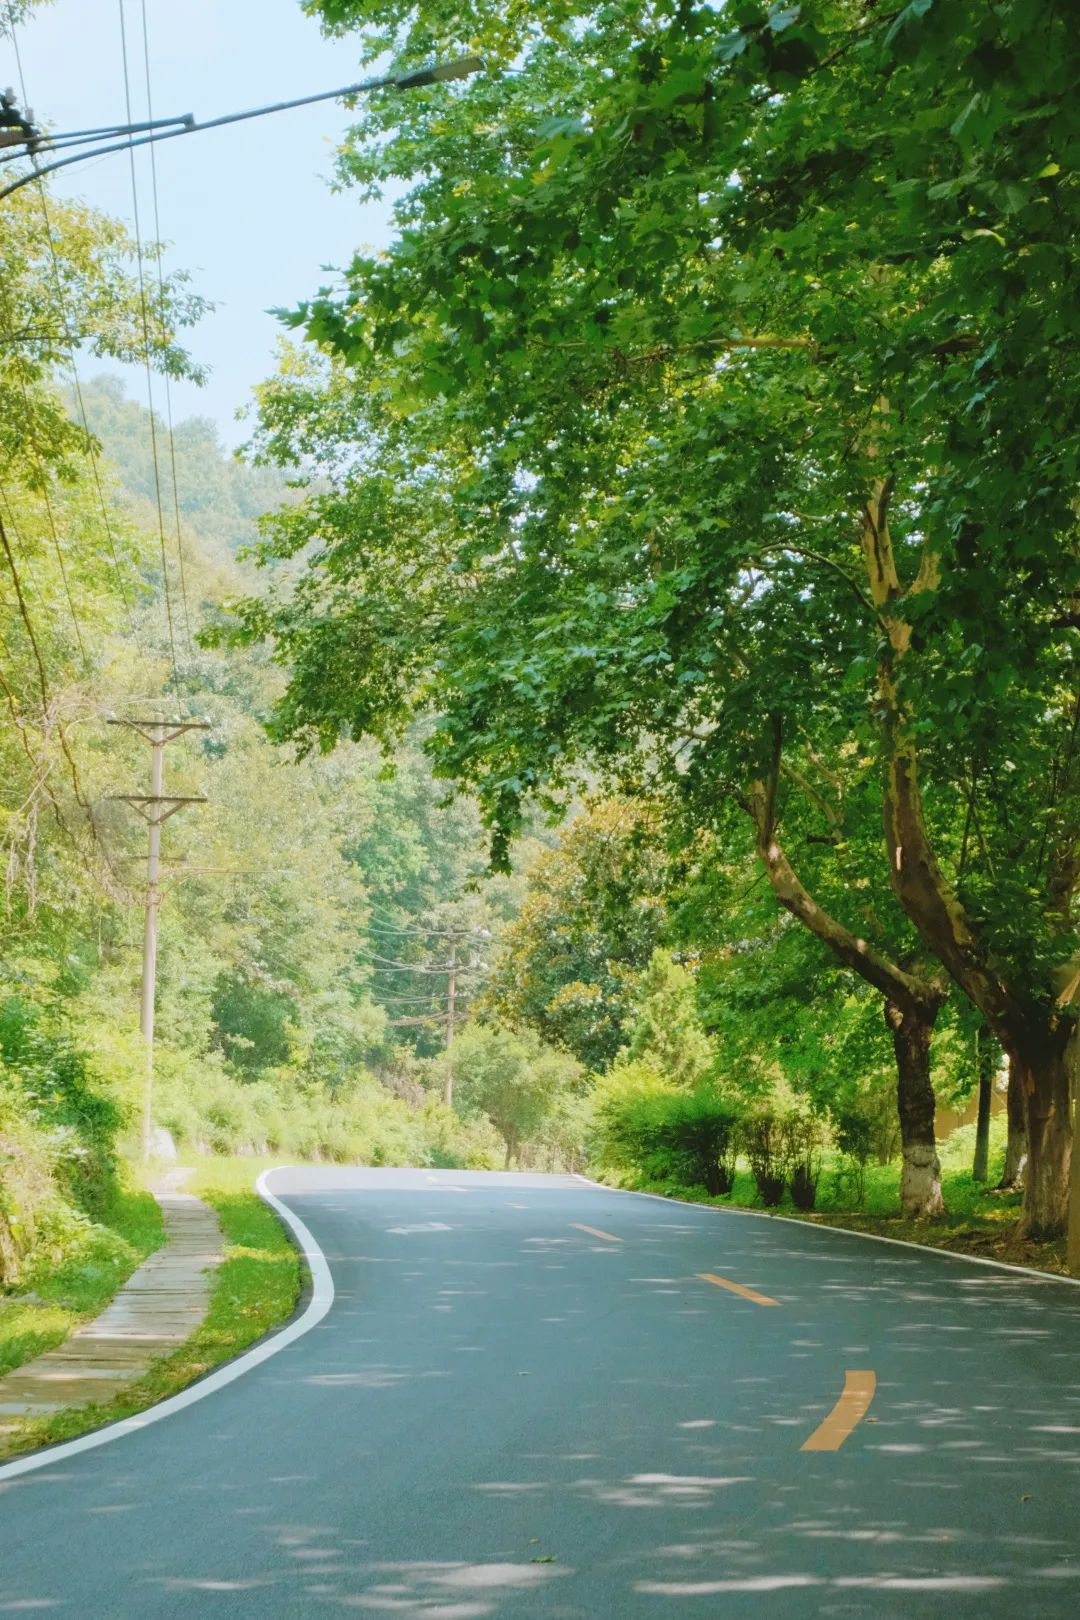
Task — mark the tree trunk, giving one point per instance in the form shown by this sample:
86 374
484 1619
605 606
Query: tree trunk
911 1028
986 1065
1045 1072
1072 1245
1016 1148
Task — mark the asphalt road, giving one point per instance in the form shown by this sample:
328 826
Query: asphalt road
526 1402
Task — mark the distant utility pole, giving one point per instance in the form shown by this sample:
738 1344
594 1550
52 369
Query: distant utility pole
155 808
451 998
456 937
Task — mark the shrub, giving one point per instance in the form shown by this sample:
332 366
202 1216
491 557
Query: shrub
805 1141
47 1081
766 1143
700 1132
804 1183
210 1110
645 1124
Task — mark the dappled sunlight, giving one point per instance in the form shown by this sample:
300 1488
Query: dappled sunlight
371 1378
658 1490
443 1590
513 1433
179 1585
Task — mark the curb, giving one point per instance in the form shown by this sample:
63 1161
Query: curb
845 1231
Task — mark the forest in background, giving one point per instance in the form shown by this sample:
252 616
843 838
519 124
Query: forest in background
489 752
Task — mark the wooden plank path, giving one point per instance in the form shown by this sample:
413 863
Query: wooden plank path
160 1305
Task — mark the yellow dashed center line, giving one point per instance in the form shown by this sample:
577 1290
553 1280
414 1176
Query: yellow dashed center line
737 1288
594 1231
853 1405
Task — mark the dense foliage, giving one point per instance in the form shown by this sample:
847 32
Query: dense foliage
711 425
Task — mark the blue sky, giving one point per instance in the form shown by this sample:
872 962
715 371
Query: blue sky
247 209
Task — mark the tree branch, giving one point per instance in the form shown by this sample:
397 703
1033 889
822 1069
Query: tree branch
888 977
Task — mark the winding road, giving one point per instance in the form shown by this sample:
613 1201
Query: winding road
534 1399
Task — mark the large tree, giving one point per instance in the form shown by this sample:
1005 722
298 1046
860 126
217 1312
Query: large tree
718 397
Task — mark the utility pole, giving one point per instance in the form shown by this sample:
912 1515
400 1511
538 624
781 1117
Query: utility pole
451 998
456 937
155 808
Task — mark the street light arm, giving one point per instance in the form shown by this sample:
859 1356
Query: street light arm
408 81
87 137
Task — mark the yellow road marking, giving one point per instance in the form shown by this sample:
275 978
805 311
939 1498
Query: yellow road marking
517 1206
594 1231
737 1288
853 1404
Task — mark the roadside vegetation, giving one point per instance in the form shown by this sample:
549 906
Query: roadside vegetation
255 1289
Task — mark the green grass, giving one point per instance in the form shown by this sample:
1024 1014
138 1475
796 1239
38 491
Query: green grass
978 1221
79 1286
255 1288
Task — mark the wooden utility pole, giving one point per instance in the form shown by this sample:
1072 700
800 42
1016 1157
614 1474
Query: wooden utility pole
451 998
155 808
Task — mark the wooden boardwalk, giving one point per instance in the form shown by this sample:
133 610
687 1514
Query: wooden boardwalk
160 1305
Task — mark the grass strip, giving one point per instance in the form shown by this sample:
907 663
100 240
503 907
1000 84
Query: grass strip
978 1222
58 1294
254 1289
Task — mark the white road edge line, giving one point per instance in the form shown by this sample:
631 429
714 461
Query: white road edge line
322 1297
844 1231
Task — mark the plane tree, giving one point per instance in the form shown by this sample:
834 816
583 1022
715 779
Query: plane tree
714 408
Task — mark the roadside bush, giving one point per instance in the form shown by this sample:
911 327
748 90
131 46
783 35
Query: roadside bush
47 1084
805 1141
645 1125
855 1141
563 1140
766 1143
209 1110
700 1131
62 1201
628 1105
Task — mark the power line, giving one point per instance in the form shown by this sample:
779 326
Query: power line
51 716
46 702
395 1000
70 341
426 933
24 612
69 337
146 359
91 447
430 933
161 317
44 491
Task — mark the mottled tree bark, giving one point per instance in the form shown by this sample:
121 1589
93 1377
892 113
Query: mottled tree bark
912 1027
1045 1063
986 1054
1016 1146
